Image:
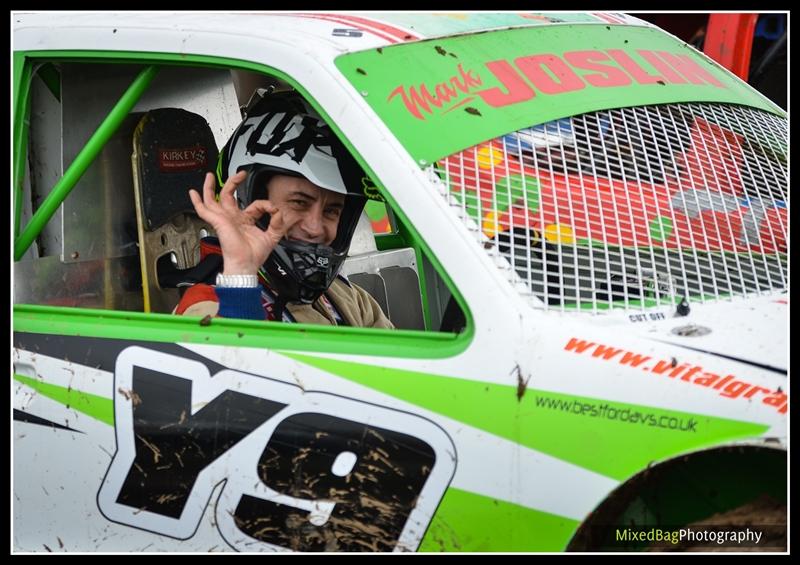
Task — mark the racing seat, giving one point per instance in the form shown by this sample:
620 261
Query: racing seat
172 151
391 277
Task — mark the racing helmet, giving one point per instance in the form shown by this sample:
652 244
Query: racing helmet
281 134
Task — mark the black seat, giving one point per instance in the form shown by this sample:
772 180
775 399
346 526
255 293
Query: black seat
172 151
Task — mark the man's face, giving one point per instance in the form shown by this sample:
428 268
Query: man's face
319 209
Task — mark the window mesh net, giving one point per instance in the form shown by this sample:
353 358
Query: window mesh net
634 207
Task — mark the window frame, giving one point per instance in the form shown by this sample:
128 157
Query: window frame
430 343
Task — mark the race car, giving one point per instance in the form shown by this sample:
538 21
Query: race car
578 225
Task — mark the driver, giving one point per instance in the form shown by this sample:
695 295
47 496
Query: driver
290 201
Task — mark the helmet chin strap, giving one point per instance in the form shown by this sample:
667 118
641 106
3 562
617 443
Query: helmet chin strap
278 307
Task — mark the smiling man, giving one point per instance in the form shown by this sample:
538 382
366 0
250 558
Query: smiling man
290 201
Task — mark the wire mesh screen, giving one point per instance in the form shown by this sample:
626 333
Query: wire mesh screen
634 207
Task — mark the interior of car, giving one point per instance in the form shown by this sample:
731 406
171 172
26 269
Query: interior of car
127 236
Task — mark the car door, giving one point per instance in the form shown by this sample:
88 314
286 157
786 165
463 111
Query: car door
165 426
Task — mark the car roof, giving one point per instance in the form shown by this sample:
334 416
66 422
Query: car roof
332 33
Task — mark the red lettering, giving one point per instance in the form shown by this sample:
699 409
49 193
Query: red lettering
632 67
776 399
578 344
707 379
756 389
444 93
517 89
723 382
735 389
690 373
181 159
414 101
605 352
611 76
661 67
679 370
468 78
633 359
661 367
688 68
533 67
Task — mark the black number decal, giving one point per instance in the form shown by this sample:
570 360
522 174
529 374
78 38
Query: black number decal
373 496
173 446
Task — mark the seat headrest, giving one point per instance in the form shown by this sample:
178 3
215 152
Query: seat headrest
176 148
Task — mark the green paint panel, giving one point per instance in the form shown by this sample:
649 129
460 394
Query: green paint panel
237 333
466 521
443 95
97 407
610 447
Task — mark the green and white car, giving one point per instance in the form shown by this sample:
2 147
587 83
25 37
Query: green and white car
579 226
